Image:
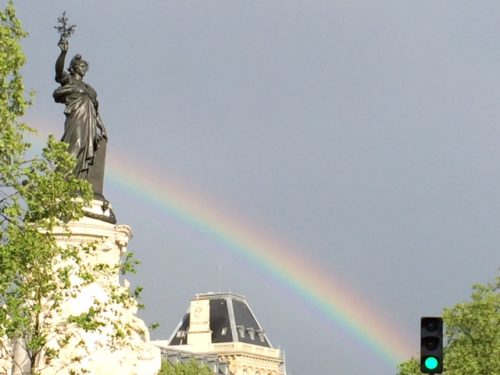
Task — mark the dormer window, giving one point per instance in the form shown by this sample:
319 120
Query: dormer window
262 338
181 333
251 333
241 331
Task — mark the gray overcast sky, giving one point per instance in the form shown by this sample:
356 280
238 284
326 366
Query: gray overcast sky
364 133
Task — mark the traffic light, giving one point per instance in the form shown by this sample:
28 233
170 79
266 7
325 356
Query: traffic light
431 345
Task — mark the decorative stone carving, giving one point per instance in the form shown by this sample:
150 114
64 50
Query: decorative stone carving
120 342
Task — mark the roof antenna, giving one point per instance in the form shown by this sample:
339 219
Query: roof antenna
220 277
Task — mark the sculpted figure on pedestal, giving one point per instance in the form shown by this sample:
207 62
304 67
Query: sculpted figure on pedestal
84 131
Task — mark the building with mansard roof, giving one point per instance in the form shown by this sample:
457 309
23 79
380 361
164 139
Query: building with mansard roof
223 325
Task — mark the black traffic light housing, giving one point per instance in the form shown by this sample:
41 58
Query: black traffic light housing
431 345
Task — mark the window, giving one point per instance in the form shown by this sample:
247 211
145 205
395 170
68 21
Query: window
181 333
262 338
241 331
251 333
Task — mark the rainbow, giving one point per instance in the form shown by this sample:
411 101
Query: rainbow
315 287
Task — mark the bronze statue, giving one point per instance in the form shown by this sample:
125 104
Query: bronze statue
84 131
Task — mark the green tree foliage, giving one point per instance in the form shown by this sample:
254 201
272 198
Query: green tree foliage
472 331
411 367
190 368
39 196
36 195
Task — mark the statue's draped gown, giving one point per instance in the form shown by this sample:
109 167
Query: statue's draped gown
82 118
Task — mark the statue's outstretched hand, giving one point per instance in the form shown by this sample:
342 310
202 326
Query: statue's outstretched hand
63 44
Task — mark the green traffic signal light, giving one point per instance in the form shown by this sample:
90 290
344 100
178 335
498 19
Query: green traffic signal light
431 363
431 345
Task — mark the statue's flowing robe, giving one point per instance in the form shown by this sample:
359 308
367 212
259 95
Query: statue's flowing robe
80 128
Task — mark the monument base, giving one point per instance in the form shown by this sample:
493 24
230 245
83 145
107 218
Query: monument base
116 341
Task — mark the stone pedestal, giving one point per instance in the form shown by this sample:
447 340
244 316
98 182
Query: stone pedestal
120 343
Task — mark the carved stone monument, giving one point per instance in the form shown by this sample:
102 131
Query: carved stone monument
118 341
121 346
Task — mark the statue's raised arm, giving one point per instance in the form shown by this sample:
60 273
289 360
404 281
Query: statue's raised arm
63 45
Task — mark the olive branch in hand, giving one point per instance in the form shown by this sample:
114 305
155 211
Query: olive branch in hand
63 28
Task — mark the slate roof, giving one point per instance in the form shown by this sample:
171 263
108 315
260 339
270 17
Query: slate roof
231 320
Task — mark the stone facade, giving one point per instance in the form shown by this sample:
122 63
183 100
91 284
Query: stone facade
120 345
